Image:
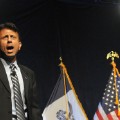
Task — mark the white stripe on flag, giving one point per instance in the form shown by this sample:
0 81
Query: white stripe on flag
114 116
102 112
95 117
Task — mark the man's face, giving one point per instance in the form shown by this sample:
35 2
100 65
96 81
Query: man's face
9 42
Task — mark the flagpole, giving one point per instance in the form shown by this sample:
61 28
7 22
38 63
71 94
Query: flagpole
114 55
65 92
71 85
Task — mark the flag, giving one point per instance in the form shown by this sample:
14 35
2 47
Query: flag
109 107
63 103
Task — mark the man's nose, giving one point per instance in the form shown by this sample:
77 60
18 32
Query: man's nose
9 39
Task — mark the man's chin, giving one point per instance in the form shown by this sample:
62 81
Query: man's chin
8 56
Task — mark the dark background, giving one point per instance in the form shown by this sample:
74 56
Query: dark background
81 31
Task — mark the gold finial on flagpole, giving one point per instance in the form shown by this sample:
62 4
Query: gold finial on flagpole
60 59
112 55
61 63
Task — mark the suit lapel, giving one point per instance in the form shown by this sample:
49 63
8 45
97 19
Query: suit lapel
25 80
3 77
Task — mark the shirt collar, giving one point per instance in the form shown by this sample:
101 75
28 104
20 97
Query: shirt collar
6 63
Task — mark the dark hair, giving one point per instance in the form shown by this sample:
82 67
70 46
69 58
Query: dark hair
11 26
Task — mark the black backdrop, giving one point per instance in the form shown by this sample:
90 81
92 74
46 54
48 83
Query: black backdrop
81 31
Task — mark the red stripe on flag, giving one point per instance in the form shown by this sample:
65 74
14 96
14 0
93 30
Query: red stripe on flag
110 117
99 115
116 111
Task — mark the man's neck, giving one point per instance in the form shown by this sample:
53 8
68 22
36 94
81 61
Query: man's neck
9 59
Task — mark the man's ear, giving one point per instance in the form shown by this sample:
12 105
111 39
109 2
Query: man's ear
20 45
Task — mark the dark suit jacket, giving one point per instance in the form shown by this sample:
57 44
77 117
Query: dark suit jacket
31 94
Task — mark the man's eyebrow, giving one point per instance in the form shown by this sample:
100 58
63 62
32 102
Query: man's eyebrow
4 36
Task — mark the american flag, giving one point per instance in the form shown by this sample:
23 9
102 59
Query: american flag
107 109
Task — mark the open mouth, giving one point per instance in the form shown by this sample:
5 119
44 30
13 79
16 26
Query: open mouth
10 47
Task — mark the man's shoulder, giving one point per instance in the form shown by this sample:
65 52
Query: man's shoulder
25 68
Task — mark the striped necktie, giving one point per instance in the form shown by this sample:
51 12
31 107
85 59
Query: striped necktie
17 94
